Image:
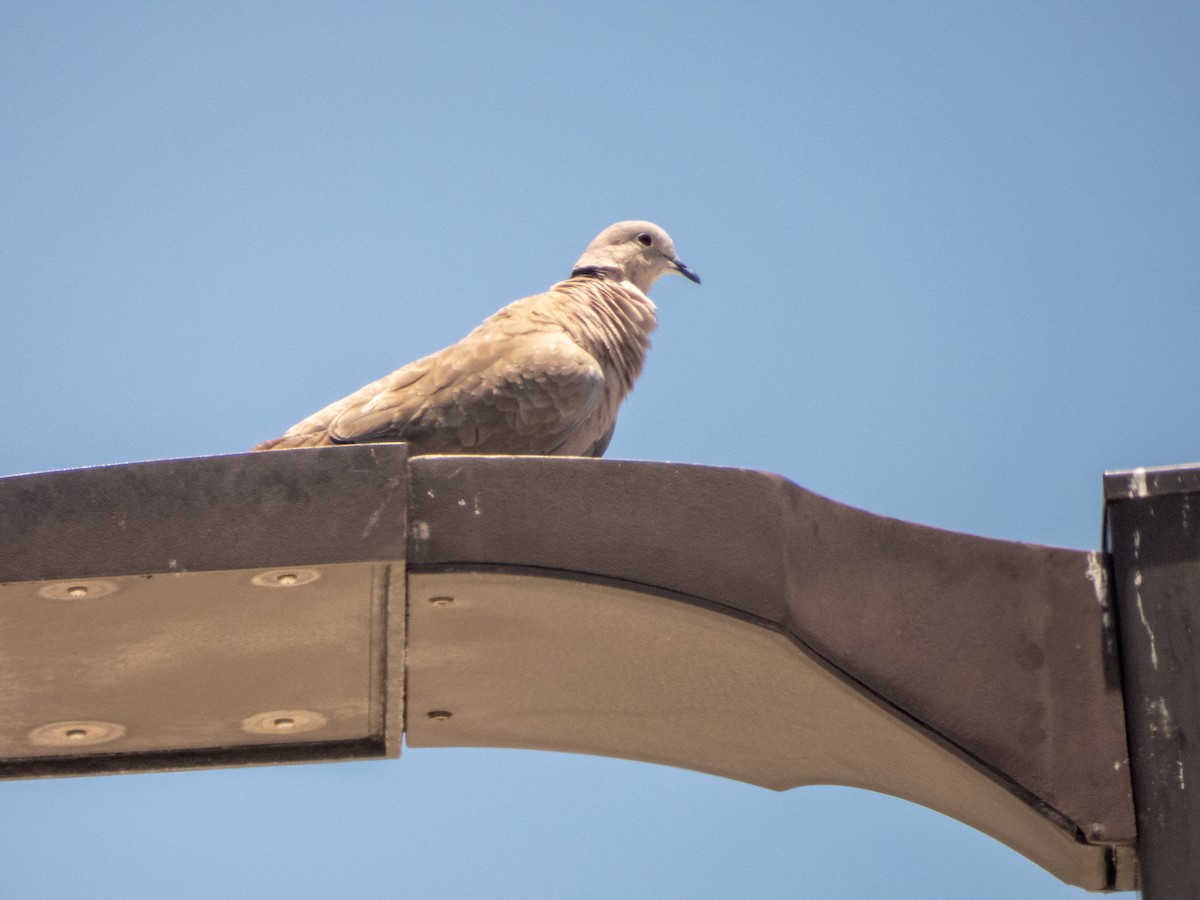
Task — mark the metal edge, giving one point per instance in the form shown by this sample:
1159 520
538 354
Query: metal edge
186 760
1157 481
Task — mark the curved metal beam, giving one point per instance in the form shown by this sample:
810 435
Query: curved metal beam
723 620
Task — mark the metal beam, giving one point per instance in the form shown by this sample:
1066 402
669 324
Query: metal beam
1154 533
203 612
277 607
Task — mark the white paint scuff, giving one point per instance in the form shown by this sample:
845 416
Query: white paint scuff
1160 718
1137 483
1098 577
373 519
1137 584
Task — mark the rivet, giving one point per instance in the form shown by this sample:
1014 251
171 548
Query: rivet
441 601
282 578
439 715
74 734
284 721
76 590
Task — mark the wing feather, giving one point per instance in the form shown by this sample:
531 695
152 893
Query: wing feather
509 393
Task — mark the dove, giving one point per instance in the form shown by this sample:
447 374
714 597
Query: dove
545 375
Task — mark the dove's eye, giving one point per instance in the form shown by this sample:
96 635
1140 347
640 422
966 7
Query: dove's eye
645 240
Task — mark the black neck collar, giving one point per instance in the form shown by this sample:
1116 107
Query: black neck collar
593 272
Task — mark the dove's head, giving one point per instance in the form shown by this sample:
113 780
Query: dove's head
638 252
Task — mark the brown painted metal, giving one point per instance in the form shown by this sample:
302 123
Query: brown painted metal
1153 516
206 514
501 658
993 662
1002 649
195 616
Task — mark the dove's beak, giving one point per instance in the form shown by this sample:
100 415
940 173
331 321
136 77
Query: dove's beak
684 270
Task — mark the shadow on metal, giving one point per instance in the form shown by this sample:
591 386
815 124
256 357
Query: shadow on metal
280 607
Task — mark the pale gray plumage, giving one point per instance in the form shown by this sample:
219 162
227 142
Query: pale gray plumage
544 375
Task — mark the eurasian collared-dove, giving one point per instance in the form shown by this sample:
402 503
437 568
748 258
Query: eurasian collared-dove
544 375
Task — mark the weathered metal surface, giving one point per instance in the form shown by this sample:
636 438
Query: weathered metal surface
999 648
209 663
724 620
1154 530
504 660
202 612
247 511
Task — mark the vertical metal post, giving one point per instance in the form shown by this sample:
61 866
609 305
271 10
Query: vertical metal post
1154 537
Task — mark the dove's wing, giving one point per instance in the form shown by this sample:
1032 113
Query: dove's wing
489 393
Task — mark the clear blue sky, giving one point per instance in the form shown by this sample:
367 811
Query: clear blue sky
951 262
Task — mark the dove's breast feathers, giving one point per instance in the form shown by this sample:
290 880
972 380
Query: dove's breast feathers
544 375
